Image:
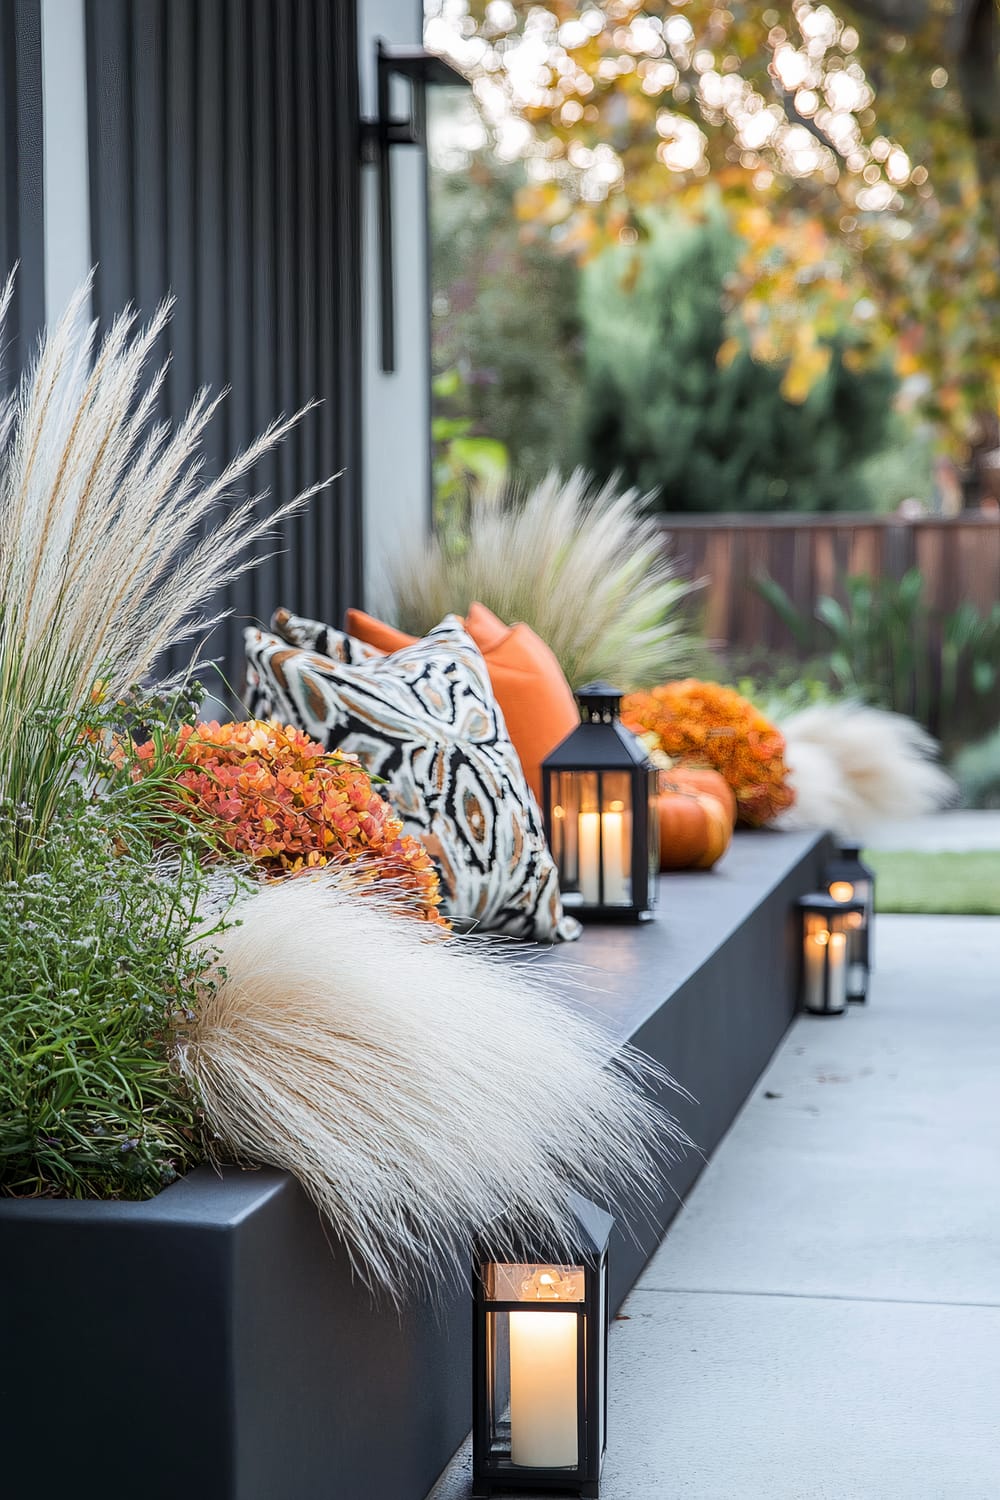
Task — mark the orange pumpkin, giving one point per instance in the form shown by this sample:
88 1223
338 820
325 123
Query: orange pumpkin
695 829
701 779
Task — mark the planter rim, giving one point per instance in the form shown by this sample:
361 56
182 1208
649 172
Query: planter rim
206 1197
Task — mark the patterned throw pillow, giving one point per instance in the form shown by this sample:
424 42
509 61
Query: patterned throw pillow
426 721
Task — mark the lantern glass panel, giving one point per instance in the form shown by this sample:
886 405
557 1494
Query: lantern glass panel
653 835
824 958
522 1281
599 1395
858 954
534 1362
565 823
606 843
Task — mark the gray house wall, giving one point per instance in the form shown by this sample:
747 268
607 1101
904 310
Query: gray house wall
396 406
21 206
212 149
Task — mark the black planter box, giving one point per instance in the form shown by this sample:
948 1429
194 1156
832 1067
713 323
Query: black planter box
210 1344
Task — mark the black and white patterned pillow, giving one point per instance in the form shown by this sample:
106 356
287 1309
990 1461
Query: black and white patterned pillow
426 721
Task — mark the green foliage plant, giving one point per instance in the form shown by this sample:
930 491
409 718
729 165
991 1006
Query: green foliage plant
462 457
104 951
505 321
668 408
885 646
100 969
976 768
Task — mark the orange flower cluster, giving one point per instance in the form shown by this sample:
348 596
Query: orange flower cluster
704 724
280 800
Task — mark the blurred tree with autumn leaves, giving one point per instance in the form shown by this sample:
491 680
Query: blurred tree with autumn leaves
659 409
855 153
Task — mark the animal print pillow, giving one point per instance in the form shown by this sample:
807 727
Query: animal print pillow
426 721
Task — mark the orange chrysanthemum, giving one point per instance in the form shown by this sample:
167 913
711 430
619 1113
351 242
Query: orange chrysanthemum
704 724
278 799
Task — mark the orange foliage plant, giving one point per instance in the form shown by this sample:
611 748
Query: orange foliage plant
281 801
703 724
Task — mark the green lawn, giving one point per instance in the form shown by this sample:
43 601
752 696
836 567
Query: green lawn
937 883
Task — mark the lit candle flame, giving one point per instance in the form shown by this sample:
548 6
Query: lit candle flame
549 1284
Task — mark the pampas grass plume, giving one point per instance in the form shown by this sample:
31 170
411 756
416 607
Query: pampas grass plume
585 566
852 766
417 1086
111 536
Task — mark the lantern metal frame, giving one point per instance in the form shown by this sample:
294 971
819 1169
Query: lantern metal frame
601 746
847 867
493 1468
835 914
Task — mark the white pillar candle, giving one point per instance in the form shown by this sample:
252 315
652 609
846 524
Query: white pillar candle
838 970
814 979
615 889
602 846
543 1403
589 853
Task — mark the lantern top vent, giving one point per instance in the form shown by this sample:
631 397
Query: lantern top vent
822 901
600 703
588 1230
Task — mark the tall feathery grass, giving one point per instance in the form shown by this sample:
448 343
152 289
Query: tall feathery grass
111 536
418 1086
585 567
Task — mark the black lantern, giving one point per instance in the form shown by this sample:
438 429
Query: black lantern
848 879
599 798
539 1357
826 928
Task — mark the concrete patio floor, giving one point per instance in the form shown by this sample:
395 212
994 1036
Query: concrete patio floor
957 830
822 1321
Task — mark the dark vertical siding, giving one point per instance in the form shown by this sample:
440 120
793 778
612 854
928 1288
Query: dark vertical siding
21 201
225 168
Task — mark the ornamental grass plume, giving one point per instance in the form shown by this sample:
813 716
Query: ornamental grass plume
278 800
111 538
704 724
851 766
417 1085
586 568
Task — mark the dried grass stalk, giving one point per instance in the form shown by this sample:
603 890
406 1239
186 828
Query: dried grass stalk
417 1086
105 558
587 569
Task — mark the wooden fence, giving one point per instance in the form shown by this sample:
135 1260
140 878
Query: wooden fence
959 557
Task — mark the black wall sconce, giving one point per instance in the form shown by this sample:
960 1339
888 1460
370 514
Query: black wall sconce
423 70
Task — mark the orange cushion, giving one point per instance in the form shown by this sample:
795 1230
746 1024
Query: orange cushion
536 700
375 632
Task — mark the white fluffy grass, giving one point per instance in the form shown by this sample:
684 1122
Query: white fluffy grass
585 567
853 766
417 1086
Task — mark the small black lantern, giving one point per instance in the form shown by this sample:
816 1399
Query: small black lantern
826 928
849 879
599 792
539 1356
